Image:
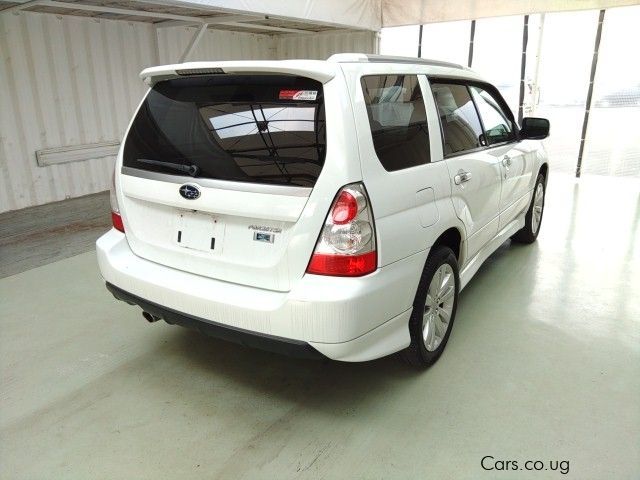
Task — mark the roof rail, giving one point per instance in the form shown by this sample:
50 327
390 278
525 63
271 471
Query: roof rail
370 58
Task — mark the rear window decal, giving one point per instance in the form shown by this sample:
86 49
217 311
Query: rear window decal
298 95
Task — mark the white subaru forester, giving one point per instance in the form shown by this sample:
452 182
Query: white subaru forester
322 208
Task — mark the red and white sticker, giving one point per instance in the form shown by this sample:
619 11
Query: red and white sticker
298 94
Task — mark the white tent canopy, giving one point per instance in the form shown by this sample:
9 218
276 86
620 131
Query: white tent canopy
301 16
397 13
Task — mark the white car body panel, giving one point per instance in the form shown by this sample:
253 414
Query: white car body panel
263 288
477 201
318 309
415 199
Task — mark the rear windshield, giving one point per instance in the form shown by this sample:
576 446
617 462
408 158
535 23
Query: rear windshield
244 128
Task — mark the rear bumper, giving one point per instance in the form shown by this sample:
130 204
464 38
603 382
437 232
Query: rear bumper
294 348
350 319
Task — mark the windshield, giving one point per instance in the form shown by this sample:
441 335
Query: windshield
244 128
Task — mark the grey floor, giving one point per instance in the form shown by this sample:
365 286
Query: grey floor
543 364
36 236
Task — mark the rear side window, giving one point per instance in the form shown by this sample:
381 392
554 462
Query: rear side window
397 119
245 128
461 126
497 125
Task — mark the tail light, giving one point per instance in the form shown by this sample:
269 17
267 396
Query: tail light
116 219
347 243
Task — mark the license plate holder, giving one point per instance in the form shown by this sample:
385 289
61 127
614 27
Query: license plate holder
199 231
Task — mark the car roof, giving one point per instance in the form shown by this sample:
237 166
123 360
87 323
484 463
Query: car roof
433 68
321 70
370 58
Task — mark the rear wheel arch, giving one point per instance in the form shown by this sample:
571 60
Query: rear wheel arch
451 238
544 171
429 313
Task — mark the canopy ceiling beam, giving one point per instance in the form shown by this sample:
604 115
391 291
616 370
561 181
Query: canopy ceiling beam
170 17
239 21
268 28
219 20
20 6
101 9
194 42
172 20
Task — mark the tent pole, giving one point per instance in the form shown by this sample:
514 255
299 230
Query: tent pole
536 73
472 34
523 67
420 41
587 107
194 42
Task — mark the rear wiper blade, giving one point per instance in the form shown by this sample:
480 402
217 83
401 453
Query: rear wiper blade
192 170
270 158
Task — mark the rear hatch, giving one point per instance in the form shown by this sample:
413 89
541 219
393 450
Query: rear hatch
217 170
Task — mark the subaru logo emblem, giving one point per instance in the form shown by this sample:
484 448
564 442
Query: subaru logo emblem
190 192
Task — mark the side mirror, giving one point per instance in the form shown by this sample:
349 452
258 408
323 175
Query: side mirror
534 128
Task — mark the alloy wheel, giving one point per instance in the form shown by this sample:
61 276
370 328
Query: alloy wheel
438 307
538 205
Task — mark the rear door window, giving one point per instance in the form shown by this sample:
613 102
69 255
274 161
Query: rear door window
461 127
397 119
498 126
245 128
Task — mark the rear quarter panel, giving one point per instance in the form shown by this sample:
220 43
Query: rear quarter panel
412 207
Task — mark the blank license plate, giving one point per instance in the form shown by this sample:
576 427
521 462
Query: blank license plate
199 231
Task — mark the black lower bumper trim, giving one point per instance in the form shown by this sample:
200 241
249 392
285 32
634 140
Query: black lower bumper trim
271 343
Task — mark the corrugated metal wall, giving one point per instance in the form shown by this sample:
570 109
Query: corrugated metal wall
323 45
65 81
221 45
74 81
214 45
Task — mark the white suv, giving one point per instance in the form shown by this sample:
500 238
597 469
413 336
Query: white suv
326 208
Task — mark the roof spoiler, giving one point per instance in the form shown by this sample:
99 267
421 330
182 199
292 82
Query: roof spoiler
315 69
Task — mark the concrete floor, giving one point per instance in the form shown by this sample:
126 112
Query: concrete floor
543 364
36 236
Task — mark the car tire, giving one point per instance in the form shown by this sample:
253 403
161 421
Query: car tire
431 307
533 219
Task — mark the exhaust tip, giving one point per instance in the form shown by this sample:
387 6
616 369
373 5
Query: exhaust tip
150 318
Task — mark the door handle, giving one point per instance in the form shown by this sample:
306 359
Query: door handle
506 161
462 177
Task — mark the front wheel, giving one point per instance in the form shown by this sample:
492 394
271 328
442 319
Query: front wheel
533 219
434 308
